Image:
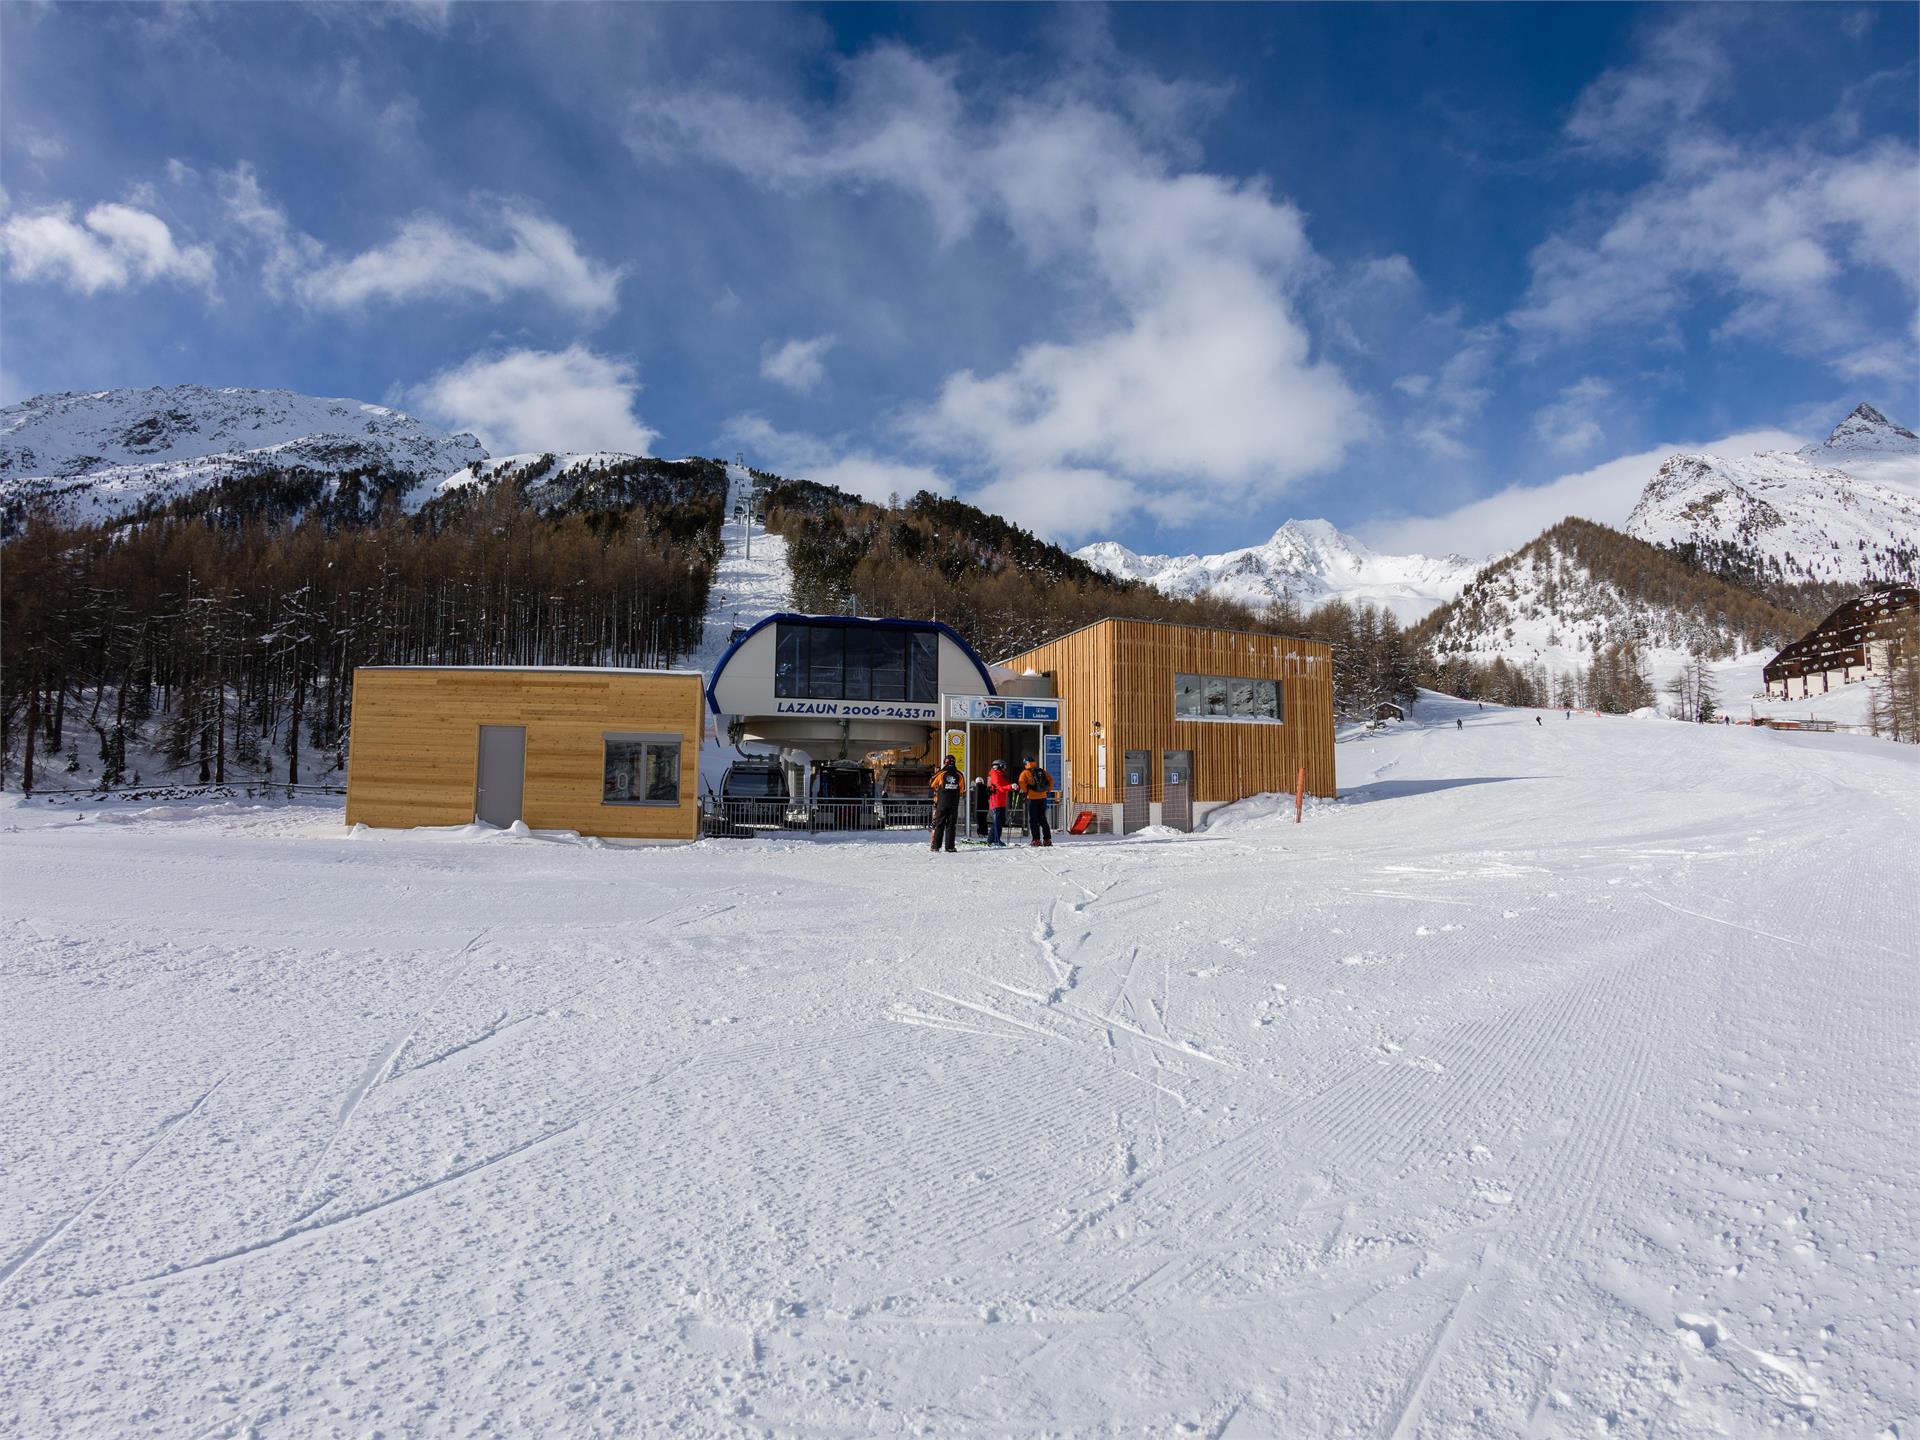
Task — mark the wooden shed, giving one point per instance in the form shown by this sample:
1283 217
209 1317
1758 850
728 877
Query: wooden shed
1223 714
605 752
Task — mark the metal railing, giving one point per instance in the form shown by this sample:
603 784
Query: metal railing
737 819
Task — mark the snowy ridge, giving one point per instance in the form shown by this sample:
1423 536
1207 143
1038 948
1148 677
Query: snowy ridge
1783 514
1306 562
543 468
106 453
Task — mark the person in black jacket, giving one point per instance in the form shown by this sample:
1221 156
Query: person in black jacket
948 786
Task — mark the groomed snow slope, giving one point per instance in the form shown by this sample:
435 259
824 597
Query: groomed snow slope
1560 1080
746 587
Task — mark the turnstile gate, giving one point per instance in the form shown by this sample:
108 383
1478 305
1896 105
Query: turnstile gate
1136 804
1176 790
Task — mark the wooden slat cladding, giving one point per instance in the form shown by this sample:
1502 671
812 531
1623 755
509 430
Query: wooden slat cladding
416 738
1120 672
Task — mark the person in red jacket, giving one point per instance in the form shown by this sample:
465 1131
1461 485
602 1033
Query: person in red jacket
999 787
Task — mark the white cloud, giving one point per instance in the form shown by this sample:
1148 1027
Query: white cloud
1068 503
287 255
798 455
899 124
1516 514
1571 424
1197 387
431 257
1633 106
799 365
540 400
1777 230
1772 232
1448 402
117 246
40 146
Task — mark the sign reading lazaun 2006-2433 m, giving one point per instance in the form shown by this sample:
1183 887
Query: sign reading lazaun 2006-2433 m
1002 707
859 709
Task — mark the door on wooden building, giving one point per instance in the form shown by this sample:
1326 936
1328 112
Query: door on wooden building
502 774
1136 799
1176 795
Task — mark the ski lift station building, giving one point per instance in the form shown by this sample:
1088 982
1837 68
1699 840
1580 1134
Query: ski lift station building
1139 721
1142 722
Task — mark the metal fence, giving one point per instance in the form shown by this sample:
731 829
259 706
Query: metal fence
738 819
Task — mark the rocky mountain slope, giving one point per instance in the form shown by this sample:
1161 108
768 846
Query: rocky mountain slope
1306 562
110 453
1816 514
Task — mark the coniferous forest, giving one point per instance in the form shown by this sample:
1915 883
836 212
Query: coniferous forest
218 638
214 639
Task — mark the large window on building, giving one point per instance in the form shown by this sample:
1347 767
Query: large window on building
1227 697
820 660
642 770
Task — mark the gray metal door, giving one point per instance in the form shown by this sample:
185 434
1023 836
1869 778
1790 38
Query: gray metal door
1136 805
502 774
1176 798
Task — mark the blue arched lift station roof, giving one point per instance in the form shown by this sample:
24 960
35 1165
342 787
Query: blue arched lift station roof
850 621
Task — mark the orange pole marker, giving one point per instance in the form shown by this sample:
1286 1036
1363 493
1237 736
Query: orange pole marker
1300 795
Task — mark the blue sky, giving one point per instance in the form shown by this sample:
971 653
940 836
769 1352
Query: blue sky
1163 274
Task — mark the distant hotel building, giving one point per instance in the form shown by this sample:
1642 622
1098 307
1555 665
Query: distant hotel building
1856 642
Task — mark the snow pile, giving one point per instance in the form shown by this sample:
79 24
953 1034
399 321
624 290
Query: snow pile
1307 562
106 453
1588 1030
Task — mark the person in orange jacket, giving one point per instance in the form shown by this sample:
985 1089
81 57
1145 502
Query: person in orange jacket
1035 784
947 787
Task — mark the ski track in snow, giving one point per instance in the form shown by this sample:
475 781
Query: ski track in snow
1579 1105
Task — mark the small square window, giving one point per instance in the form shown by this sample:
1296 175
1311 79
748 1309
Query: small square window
641 770
1217 696
1240 694
1266 699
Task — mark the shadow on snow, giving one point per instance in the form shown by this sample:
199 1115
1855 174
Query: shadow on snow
1401 789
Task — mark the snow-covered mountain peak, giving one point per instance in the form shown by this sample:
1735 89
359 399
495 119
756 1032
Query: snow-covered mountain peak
1865 432
1305 562
1820 513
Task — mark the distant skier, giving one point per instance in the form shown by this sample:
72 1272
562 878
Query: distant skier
1036 784
1458 723
1538 721
947 788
